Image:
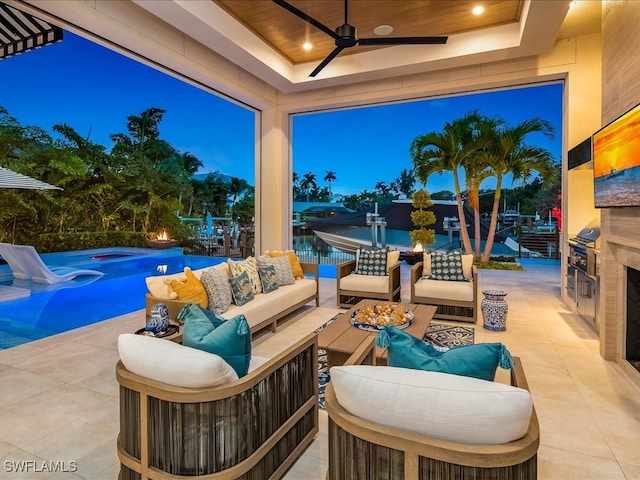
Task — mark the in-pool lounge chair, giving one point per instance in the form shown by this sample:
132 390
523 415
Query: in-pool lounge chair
25 263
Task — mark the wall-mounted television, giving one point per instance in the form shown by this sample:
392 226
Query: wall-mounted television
616 162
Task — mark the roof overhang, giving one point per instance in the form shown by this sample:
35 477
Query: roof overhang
21 32
212 26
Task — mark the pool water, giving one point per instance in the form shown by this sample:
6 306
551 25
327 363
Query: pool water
53 309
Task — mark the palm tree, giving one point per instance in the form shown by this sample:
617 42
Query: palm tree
509 154
236 187
382 187
475 173
189 162
330 176
405 182
295 182
308 182
447 151
476 170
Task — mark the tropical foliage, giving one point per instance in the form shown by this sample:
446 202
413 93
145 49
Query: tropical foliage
142 184
480 147
306 189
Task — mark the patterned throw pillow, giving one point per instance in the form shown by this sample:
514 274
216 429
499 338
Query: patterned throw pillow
241 289
191 290
372 262
218 290
251 267
282 266
296 268
447 266
268 277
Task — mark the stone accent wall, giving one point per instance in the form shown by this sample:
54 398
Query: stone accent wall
620 233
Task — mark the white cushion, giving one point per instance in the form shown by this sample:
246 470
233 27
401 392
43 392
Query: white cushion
451 407
171 363
444 289
223 268
365 283
257 362
160 285
467 265
159 289
393 257
267 305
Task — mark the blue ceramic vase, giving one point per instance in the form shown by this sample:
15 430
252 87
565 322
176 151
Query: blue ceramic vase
158 322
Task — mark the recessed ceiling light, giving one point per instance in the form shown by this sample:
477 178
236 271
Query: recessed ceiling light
306 46
383 30
478 10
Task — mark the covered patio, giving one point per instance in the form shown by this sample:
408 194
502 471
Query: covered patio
586 398
63 389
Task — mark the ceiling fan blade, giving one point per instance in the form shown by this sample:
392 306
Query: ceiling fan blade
403 41
326 61
305 17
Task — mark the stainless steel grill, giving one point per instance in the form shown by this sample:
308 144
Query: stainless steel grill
582 272
584 247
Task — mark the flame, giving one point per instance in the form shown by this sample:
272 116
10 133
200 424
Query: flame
418 247
163 235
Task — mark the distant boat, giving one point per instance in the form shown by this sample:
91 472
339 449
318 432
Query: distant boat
347 232
613 173
510 217
348 244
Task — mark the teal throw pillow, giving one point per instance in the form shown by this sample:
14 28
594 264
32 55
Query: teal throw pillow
229 339
478 360
447 266
268 277
241 288
372 262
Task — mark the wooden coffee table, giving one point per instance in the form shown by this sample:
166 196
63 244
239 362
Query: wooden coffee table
340 338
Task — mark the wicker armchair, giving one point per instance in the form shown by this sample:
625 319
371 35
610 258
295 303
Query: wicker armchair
253 428
351 287
359 448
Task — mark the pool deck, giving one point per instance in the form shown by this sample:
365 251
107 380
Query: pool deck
60 398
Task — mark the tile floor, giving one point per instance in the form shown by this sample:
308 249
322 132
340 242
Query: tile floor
59 396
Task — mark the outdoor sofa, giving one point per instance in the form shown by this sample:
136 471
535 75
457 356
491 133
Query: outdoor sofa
252 428
360 448
263 311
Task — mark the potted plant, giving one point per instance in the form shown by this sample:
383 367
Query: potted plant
421 218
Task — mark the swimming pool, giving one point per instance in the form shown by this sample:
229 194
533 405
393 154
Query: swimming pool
52 309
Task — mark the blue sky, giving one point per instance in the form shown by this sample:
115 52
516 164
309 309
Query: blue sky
94 90
372 144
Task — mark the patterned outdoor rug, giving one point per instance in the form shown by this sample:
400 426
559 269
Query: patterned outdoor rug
443 336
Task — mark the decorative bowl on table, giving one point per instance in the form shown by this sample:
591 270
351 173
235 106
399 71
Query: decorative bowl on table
375 317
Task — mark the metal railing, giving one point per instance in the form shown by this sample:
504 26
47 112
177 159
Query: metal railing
333 257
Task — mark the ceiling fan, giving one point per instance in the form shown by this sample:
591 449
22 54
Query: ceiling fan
345 35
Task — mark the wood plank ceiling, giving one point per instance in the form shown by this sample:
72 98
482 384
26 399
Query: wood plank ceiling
287 33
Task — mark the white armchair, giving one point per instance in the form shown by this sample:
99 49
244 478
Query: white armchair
455 300
353 287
